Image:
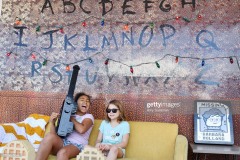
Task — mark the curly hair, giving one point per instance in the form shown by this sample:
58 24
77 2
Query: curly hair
80 94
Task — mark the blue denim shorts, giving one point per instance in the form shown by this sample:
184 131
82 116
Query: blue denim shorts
67 142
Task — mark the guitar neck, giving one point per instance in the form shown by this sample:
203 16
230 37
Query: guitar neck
73 81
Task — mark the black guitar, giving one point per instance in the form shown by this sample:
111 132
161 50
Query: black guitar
69 107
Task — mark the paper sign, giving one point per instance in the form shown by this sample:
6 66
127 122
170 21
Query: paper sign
213 122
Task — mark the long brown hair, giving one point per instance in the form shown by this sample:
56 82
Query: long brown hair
117 103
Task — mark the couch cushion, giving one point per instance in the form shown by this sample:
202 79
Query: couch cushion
152 140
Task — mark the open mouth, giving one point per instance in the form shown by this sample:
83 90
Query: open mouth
84 106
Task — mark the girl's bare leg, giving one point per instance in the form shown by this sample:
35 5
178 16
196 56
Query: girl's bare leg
51 143
114 153
67 152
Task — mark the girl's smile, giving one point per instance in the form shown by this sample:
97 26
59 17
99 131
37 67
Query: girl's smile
113 112
83 104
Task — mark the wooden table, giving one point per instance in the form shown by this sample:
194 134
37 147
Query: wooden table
215 149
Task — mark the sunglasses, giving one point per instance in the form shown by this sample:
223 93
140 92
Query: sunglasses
113 110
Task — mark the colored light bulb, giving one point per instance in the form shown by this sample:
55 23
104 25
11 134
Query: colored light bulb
9 54
186 19
126 27
203 62
102 22
176 60
199 16
106 62
84 24
131 69
18 21
67 68
44 62
177 18
37 28
33 56
157 64
231 60
151 25
90 60
61 30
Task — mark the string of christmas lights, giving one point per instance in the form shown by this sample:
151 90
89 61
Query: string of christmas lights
103 21
90 59
176 60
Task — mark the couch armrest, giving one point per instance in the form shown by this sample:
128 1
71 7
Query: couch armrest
181 148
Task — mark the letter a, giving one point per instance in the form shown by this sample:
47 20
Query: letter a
45 6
